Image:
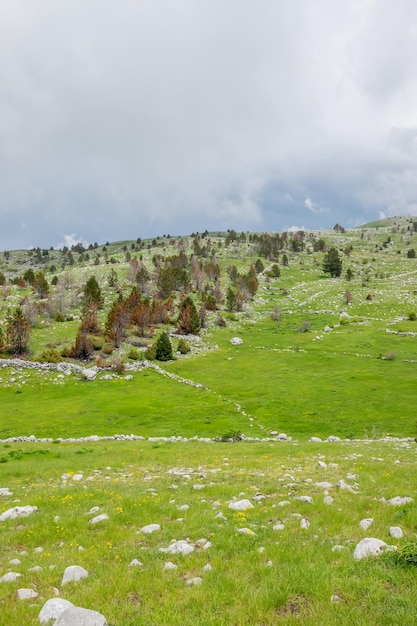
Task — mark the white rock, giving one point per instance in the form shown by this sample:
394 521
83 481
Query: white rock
328 500
236 341
333 439
77 477
316 440
18 511
241 505
26 594
183 507
5 491
207 568
396 532
308 499
15 562
322 464
366 523
179 547
398 501
335 599
194 581
338 548
135 563
10 577
324 485
269 564
52 609
245 531
220 516
284 503
74 573
341 484
94 510
369 547
278 526
98 518
89 374
170 565
150 528
35 568
76 616
305 524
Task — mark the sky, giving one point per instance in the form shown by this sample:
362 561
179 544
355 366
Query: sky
137 118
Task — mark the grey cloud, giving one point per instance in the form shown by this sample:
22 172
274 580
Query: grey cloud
137 118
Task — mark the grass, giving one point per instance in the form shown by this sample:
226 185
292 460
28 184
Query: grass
133 483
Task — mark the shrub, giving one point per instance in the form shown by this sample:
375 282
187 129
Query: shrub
412 316
183 346
117 364
276 314
133 354
305 327
50 355
150 352
163 348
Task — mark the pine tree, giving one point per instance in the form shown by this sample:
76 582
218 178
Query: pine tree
92 292
17 332
163 348
188 318
332 263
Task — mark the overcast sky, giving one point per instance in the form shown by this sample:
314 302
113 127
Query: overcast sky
134 118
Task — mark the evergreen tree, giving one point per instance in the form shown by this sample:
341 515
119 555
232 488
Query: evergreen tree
163 348
332 263
92 293
188 318
17 332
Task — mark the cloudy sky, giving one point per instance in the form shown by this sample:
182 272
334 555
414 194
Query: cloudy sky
134 118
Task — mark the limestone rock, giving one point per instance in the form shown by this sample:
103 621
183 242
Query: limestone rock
18 511
52 609
74 573
10 577
236 341
366 523
76 616
98 519
150 528
178 547
369 547
396 532
400 500
241 505
26 594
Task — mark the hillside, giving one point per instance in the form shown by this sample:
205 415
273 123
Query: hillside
321 354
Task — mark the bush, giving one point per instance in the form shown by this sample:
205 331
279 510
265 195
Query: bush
183 347
163 348
49 356
134 354
118 365
150 352
412 316
305 327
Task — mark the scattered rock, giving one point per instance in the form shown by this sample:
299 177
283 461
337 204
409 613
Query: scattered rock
396 532
366 523
400 500
236 341
170 565
18 511
304 523
369 547
52 609
98 519
10 577
4 491
241 505
135 563
26 594
194 581
150 528
179 547
74 573
76 616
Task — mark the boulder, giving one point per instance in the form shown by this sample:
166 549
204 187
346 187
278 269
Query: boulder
369 547
400 500
241 505
18 511
52 609
236 341
26 594
74 573
76 616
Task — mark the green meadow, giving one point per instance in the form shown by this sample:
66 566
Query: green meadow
319 356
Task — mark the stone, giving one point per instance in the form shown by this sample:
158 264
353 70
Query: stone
15 562
77 616
396 532
322 464
328 500
245 531
236 341
369 547
170 565
304 523
98 518
278 526
307 499
26 594
150 528
4 491
207 568
366 523
10 577
324 485
18 511
194 581
179 547
135 563
74 573
341 484
316 440
400 500
89 374
241 505
52 609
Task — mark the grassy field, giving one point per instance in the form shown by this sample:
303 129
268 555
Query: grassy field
258 576
319 356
